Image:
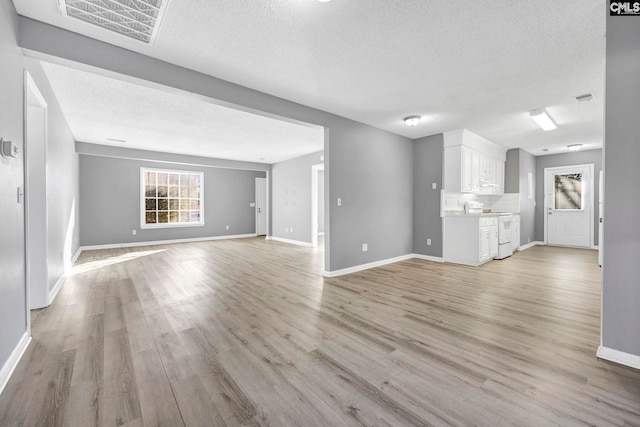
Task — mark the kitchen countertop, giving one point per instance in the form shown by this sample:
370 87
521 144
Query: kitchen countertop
462 213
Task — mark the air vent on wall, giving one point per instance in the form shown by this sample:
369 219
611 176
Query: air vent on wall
137 19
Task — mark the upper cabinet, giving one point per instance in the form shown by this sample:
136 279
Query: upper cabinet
473 164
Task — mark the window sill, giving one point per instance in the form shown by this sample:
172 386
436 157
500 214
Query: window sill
170 225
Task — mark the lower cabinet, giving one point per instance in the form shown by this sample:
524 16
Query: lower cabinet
470 239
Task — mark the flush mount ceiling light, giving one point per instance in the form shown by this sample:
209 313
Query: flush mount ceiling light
137 19
542 118
574 147
584 98
412 120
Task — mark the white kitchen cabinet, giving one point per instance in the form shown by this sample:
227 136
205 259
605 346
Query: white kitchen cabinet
472 164
493 241
515 232
470 239
461 170
499 178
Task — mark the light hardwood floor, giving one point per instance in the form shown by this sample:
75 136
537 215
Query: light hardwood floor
247 332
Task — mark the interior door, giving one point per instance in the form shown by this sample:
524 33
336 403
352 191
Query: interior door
261 206
568 205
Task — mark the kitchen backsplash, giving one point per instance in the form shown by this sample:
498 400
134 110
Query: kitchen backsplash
497 203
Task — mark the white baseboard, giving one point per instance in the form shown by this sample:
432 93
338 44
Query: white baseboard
618 356
530 245
11 363
366 266
56 288
291 242
428 258
75 256
165 242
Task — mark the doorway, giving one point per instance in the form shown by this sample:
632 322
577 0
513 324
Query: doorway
569 195
261 206
317 203
36 208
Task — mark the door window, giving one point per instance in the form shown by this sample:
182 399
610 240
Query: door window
568 191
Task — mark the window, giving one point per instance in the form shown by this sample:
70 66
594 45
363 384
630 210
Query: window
171 198
568 191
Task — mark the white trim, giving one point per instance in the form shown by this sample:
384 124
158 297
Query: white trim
291 242
315 172
31 88
428 258
619 357
321 233
366 266
56 288
75 257
13 360
165 242
530 245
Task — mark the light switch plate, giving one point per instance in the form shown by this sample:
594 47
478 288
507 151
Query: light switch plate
339 201
434 186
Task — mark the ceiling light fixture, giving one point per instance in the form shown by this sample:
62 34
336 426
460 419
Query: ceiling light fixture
412 120
542 118
584 98
574 147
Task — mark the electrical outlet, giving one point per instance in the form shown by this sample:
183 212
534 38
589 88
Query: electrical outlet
227 227
428 242
339 201
133 232
286 230
291 229
434 186
365 247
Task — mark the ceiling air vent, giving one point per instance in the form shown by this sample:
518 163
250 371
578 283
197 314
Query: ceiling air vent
137 19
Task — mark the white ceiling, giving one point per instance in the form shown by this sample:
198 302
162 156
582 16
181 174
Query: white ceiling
101 109
460 64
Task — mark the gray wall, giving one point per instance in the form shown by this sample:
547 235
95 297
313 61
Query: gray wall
320 201
519 164
620 288
62 182
512 171
427 168
110 201
527 164
566 159
371 170
291 197
13 307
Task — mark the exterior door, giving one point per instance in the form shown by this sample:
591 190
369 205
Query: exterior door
261 206
569 205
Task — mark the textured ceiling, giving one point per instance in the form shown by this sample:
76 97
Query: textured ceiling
461 64
100 108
